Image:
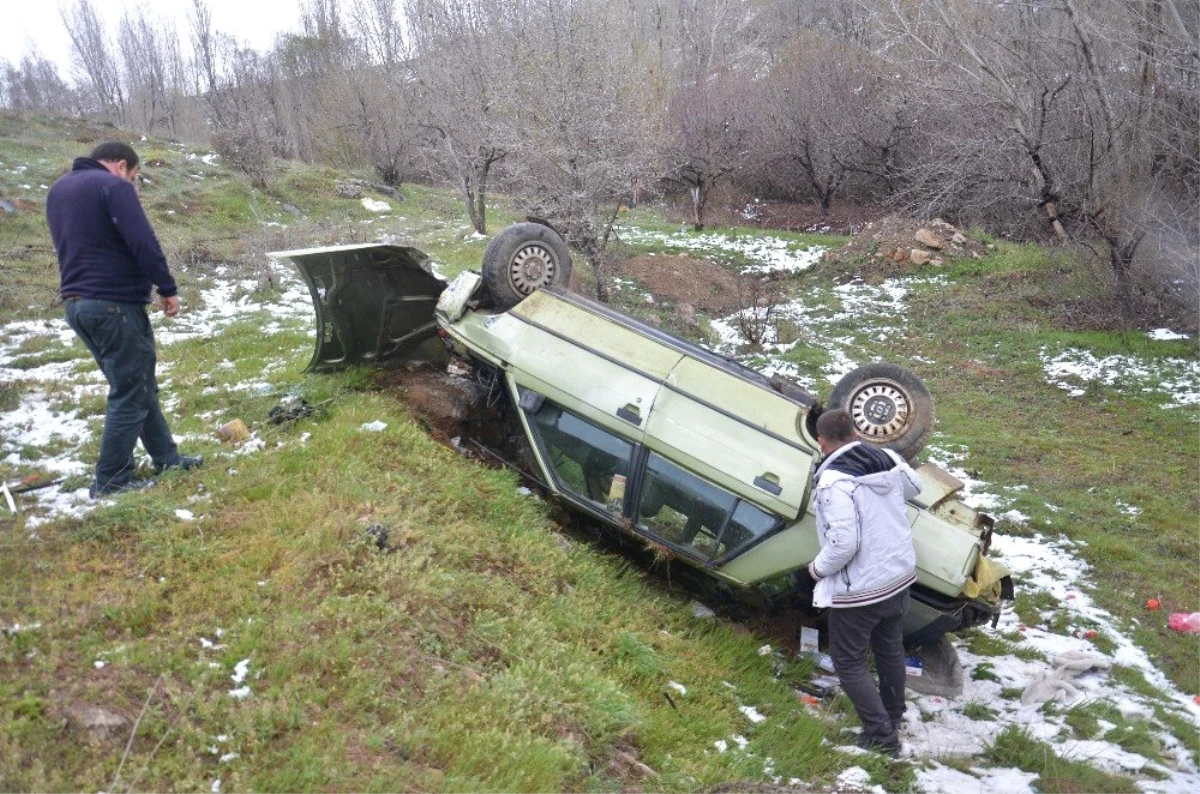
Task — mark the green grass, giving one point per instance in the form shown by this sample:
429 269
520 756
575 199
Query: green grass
482 652
1084 719
491 655
979 711
1014 747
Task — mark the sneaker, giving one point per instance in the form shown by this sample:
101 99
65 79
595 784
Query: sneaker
95 491
867 743
185 462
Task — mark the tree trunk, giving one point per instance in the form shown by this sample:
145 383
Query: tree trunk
699 198
1055 222
600 270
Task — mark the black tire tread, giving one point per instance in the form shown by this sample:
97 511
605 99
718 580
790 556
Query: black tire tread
506 244
915 437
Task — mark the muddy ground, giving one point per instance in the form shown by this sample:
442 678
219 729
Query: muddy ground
686 279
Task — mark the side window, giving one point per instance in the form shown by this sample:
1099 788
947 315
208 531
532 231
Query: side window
690 512
588 461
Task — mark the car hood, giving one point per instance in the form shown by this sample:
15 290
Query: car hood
372 301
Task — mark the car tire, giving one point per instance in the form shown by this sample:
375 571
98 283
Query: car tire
889 406
523 258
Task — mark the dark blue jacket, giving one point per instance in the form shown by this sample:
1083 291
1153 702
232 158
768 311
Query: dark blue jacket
106 247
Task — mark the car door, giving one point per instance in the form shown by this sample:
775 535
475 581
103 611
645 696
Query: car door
628 486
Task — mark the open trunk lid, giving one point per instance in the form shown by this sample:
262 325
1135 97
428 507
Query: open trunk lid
372 302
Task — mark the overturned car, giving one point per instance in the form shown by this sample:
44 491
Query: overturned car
649 434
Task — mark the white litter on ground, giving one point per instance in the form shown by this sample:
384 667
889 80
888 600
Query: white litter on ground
752 714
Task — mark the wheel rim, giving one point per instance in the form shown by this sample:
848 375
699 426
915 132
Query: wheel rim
532 266
879 410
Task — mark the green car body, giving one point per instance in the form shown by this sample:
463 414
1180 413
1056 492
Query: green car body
702 458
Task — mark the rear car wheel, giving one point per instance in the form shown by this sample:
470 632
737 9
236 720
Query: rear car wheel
522 258
889 406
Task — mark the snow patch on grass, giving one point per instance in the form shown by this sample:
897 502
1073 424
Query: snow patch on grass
1174 381
767 254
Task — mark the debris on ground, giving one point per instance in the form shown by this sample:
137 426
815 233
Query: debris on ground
378 534
290 409
1187 623
1056 684
896 246
233 431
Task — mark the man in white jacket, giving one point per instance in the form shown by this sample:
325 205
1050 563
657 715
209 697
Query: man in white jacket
863 572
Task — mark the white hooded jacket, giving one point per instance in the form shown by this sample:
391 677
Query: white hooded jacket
867 552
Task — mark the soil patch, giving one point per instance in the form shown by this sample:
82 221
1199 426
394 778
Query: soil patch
450 403
686 279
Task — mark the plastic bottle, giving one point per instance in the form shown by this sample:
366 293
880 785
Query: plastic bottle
1182 621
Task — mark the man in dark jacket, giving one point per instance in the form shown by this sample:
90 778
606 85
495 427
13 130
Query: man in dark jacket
866 565
108 260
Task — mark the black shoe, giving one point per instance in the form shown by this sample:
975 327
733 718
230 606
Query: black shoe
867 743
185 462
97 492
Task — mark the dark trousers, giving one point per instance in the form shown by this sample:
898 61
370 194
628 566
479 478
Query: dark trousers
121 340
878 628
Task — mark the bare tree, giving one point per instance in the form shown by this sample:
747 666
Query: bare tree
36 86
709 132
153 71
464 55
588 133
823 120
95 57
1072 109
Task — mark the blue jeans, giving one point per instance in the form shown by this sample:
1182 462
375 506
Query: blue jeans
121 340
878 629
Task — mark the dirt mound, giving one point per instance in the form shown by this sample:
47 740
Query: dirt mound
686 279
895 246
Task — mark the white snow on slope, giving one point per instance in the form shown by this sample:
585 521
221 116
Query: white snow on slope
936 728
1173 381
45 431
768 253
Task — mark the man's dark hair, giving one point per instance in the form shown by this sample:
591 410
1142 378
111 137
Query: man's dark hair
114 152
835 426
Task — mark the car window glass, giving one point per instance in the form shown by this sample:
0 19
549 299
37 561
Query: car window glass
588 461
688 511
683 509
748 523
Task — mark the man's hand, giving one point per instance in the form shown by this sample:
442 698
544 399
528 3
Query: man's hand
170 306
804 579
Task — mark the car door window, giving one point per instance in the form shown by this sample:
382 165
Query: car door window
588 461
692 513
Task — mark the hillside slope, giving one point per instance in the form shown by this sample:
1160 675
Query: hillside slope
243 627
